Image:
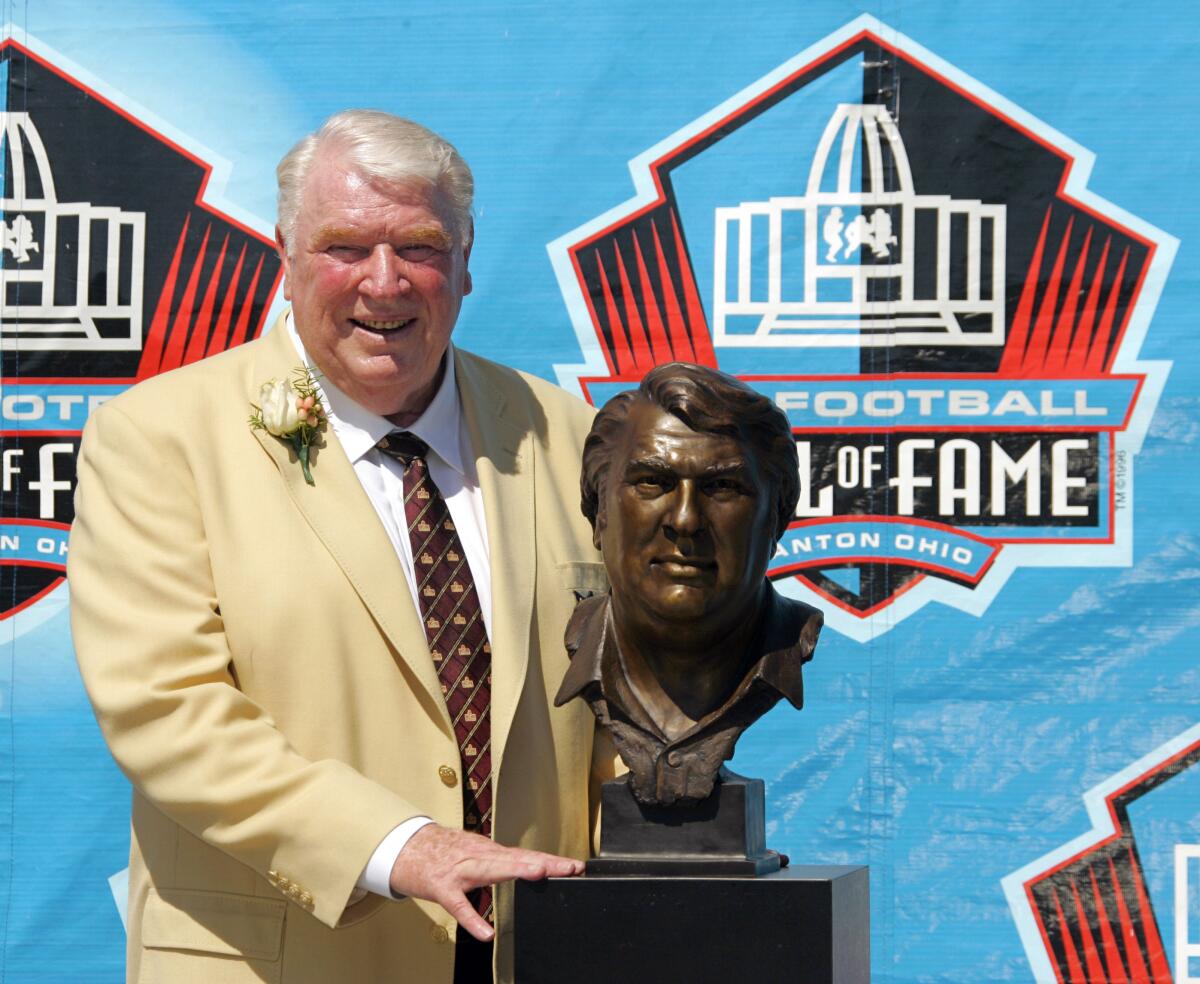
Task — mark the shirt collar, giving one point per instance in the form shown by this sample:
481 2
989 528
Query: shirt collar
359 430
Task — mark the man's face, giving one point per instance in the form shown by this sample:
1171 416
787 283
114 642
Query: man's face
376 279
685 524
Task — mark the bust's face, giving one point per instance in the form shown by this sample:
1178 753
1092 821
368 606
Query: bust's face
685 525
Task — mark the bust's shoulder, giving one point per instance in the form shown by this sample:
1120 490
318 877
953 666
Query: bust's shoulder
794 623
587 611
795 612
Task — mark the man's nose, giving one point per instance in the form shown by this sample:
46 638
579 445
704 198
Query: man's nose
684 517
386 273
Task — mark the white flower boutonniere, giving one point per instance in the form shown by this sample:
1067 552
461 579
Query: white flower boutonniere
291 410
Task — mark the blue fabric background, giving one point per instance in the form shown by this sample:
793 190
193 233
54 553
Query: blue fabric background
948 752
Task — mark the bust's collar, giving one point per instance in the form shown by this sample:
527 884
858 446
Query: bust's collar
789 628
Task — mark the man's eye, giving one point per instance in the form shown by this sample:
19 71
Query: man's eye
417 252
650 486
344 251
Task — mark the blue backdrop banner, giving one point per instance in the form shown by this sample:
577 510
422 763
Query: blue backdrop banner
950 241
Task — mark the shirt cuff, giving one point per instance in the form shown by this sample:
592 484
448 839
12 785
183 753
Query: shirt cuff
377 875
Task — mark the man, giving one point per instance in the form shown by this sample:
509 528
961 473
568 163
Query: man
256 648
688 482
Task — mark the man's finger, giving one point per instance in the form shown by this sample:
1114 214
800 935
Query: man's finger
465 915
541 865
477 872
442 865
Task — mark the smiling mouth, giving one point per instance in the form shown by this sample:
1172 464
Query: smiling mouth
382 327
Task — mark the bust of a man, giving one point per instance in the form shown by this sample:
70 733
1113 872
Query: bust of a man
688 482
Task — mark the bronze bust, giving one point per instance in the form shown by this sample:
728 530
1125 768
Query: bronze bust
688 482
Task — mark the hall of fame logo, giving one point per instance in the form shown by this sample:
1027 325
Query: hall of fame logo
915 271
1088 911
114 266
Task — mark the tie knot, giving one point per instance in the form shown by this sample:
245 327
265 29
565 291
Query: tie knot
403 446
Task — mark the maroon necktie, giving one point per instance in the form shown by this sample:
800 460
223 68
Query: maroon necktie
454 627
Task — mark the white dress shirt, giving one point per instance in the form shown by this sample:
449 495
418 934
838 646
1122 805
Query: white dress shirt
451 464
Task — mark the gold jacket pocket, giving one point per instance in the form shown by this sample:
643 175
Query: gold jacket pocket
241 935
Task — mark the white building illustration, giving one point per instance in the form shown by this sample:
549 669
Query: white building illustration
71 273
842 260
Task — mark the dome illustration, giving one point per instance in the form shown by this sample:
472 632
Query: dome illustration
71 273
850 279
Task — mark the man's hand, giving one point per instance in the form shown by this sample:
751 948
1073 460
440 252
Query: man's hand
442 865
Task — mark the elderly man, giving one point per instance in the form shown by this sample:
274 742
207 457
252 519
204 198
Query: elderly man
322 646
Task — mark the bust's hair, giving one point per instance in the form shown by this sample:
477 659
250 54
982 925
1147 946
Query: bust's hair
384 148
710 402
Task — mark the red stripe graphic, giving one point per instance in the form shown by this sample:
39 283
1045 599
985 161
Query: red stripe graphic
173 355
153 348
1160 970
1071 342
241 331
1112 955
701 337
1138 974
1074 968
1091 956
625 361
1035 355
658 332
675 322
1056 356
1097 361
1077 359
1018 334
641 346
203 326
220 336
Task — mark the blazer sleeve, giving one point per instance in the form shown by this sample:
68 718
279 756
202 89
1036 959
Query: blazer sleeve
154 658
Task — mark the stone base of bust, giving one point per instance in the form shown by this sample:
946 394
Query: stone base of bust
722 835
804 923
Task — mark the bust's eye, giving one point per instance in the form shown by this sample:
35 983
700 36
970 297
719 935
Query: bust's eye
726 488
652 485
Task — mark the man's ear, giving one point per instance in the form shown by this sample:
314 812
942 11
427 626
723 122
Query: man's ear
281 249
470 241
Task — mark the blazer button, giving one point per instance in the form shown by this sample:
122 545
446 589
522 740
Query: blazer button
449 777
439 934
673 759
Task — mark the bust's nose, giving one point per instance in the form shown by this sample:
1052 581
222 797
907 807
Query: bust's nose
684 518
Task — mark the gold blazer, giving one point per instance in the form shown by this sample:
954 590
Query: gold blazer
261 676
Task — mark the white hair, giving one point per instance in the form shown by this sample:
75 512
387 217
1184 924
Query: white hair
381 147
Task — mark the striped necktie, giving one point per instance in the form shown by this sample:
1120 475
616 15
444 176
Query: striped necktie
454 628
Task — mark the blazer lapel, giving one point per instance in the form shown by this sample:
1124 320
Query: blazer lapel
343 519
504 457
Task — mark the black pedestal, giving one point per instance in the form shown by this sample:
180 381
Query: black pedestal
801 925
723 835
